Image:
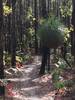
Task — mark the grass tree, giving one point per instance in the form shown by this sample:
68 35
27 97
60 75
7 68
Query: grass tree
50 37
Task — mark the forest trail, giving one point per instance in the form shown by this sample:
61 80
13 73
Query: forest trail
32 87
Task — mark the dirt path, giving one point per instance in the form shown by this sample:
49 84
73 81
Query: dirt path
32 87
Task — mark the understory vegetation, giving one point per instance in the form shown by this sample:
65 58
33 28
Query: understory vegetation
32 29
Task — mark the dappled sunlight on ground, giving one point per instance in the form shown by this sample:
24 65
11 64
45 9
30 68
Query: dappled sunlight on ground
30 86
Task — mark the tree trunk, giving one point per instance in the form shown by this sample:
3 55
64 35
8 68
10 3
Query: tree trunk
36 26
1 42
9 34
48 60
13 38
73 34
20 24
44 60
2 90
43 9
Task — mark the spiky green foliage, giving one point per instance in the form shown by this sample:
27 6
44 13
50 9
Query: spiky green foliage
50 34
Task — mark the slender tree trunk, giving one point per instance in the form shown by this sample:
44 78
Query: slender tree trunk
43 9
8 24
36 26
73 34
13 37
20 24
48 60
48 8
2 90
1 42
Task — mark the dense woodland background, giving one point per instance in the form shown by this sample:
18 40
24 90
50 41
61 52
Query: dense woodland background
19 24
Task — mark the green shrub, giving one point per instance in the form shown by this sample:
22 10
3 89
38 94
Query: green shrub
59 85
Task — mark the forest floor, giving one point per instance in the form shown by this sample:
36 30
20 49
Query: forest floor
28 85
